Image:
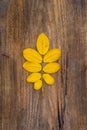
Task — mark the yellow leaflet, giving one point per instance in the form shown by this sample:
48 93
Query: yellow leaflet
38 84
32 56
51 68
32 67
33 77
42 43
52 55
48 79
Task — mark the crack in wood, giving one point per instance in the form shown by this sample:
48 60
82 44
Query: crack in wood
5 55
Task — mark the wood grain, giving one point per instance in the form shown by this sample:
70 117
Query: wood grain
64 105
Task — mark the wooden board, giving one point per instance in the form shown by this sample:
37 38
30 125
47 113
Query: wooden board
64 105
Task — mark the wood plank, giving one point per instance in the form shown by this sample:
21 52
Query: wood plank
64 105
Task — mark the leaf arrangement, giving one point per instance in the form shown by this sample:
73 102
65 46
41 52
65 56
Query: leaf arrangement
41 63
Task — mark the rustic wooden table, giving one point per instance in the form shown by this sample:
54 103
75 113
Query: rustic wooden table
64 105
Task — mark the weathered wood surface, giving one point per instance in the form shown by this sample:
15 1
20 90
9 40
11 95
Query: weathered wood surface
64 105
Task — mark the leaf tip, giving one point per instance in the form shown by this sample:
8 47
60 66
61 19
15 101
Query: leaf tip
42 44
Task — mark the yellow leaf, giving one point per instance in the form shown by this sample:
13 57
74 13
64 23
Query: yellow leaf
32 67
33 77
51 67
52 55
38 85
42 43
48 79
32 55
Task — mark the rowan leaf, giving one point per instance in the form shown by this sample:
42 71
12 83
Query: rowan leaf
51 68
52 55
42 44
32 55
48 79
33 77
32 67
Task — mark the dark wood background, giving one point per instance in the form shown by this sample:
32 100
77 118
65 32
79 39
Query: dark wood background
64 105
